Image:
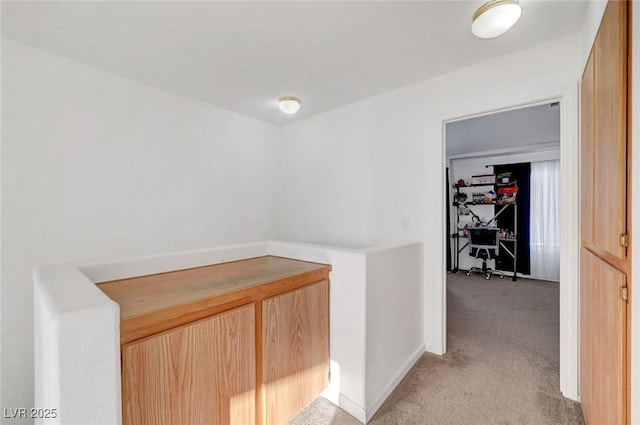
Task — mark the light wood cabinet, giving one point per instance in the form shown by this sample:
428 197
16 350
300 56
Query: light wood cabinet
605 263
295 350
237 343
200 373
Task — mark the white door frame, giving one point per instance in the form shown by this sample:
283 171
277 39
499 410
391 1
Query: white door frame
569 238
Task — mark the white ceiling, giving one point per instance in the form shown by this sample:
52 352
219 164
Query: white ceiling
535 125
242 56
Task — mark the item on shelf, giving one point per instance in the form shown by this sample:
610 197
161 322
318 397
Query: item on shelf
507 195
461 182
461 198
478 197
462 229
489 197
484 179
504 177
464 210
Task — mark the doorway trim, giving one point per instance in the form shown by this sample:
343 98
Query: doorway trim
569 233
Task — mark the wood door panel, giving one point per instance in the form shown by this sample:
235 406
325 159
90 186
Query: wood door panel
201 373
586 312
610 148
586 152
603 342
295 350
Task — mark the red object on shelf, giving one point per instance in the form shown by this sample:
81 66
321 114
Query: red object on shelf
461 182
507 190
507 195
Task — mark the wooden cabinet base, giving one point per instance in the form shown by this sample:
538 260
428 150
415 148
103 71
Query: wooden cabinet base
231 344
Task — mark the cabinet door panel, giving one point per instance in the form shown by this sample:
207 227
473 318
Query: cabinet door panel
201 373
295 350
586 152
587 307
602 342
610 148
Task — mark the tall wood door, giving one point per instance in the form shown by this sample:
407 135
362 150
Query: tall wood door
295 350
605 266
201 373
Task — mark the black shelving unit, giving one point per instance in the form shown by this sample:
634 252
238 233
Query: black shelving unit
511 250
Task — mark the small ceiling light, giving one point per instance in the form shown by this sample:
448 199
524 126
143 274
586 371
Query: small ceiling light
495 17
289 104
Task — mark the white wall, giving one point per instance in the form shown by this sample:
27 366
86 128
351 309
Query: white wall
98 166
394 319
361 171
326 182
77 353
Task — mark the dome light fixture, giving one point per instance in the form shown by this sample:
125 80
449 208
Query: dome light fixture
289 104
495 17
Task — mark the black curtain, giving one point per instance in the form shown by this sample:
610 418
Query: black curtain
521 173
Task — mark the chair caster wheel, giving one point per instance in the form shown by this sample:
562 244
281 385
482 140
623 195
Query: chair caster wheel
501 276
487 277
469 274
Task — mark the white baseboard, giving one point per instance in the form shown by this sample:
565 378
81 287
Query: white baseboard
438 351
352 408
371 410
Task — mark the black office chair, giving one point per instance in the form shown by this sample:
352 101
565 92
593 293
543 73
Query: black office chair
484 243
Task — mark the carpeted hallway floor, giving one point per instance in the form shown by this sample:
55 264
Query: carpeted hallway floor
501 365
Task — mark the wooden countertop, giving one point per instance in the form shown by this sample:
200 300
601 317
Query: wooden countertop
154 303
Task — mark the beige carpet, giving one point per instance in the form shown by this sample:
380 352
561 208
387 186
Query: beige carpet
501 366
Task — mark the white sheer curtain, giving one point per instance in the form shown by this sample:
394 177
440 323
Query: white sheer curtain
545 220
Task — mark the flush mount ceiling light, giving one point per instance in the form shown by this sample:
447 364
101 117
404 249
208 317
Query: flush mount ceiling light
495 17
289 104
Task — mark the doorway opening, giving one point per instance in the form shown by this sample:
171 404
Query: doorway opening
504 175
503 200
